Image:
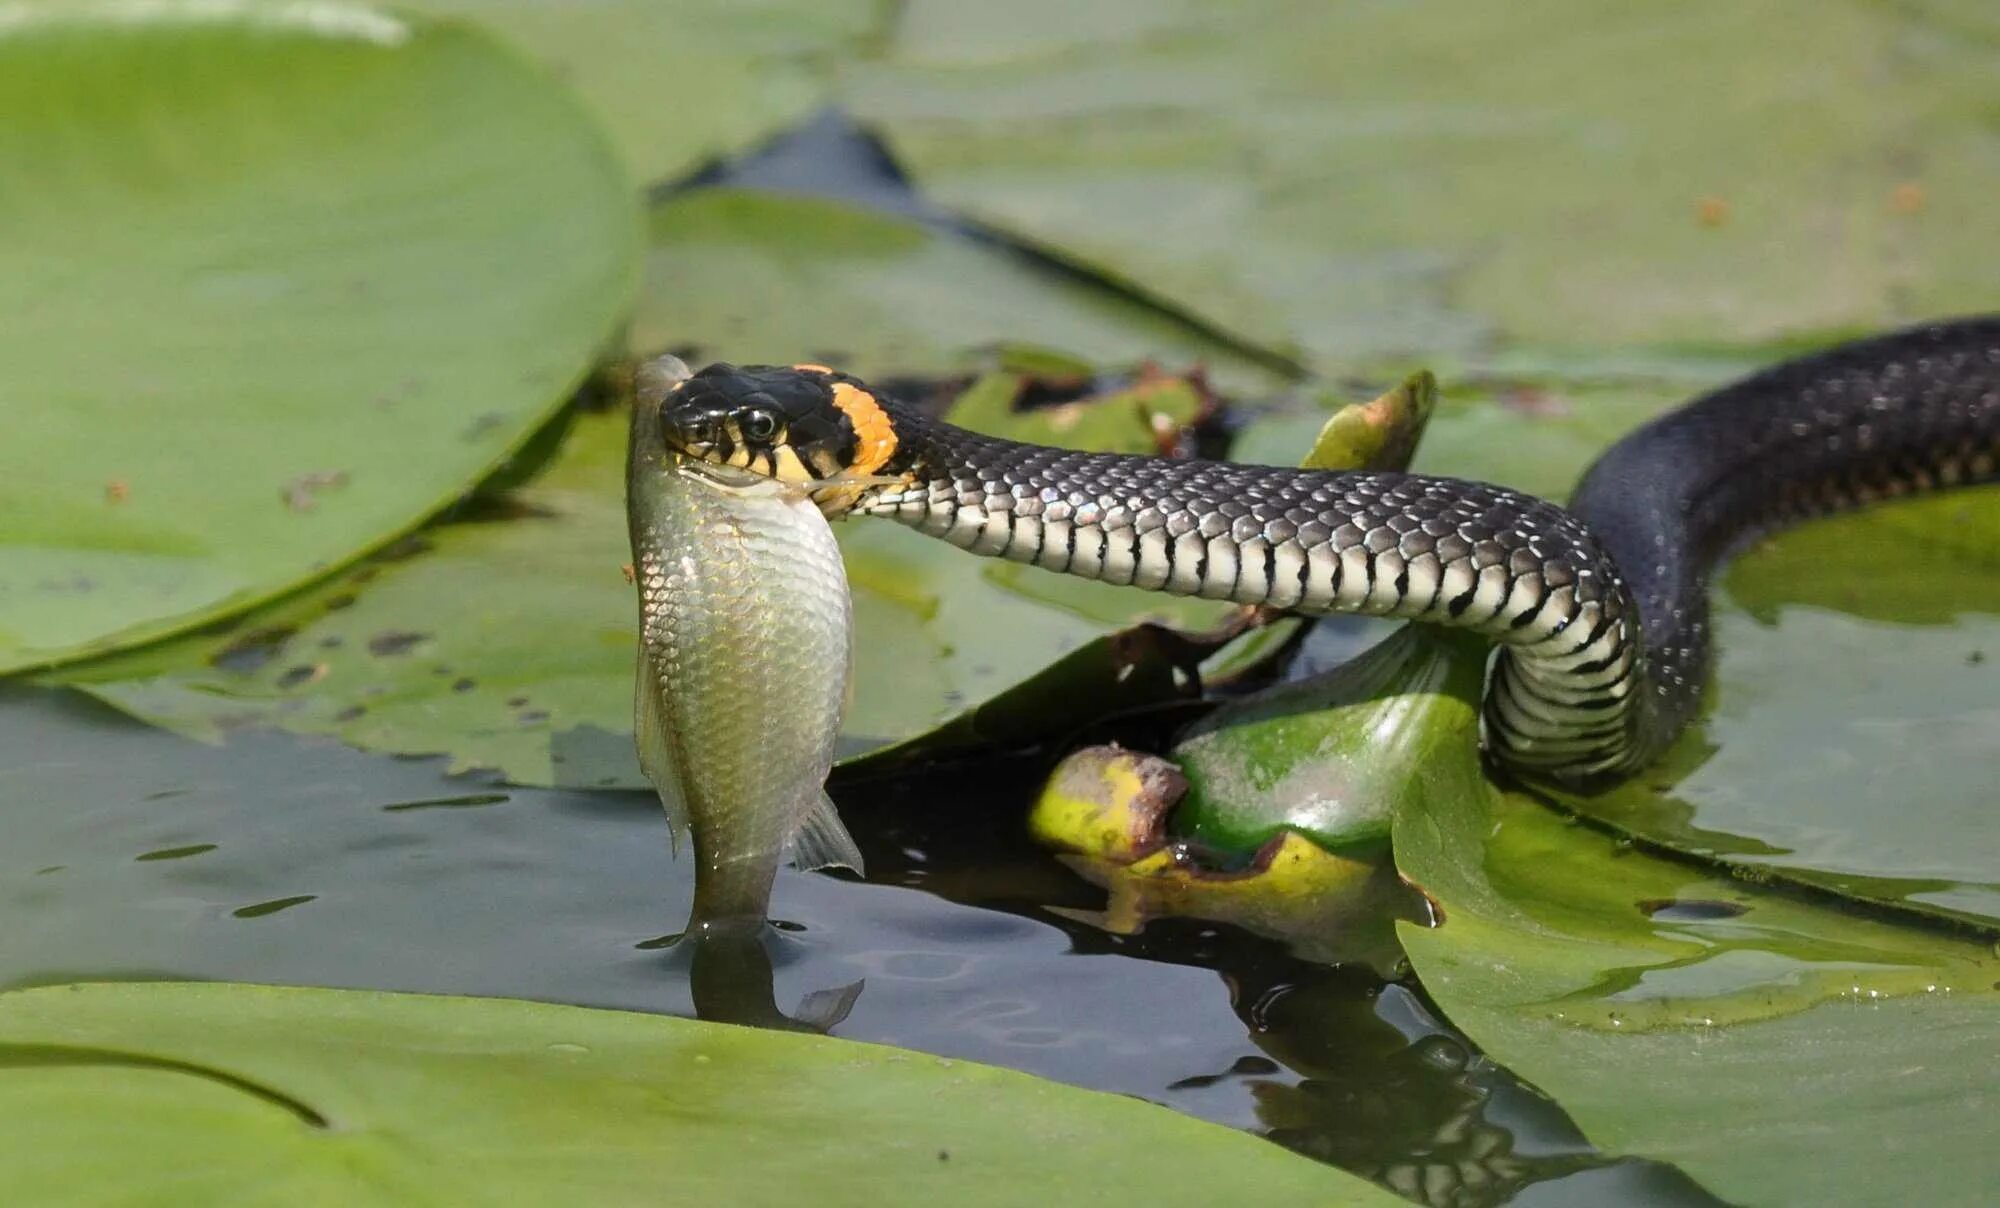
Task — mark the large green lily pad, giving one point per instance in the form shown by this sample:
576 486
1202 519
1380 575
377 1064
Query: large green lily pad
1777 1050
505 640
1418 179
255 323
212 1092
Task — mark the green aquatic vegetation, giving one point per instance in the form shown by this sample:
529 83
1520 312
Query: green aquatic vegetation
256 326
283 281
1747 1035
359 1097
1393 181
754 277
736 71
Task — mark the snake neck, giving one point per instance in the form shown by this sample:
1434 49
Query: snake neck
1514 568
1600 610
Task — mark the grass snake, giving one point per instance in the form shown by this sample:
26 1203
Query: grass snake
1599 609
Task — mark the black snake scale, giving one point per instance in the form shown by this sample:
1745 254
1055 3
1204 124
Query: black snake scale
1599 609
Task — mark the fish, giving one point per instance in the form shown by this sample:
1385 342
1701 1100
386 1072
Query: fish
744 658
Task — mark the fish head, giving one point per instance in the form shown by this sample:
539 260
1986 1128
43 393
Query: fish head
806 426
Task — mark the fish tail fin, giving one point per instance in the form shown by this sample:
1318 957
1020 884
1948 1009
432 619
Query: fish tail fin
656 758
822 1009
822 842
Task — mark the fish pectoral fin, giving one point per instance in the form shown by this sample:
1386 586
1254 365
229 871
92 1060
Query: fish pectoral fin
656 758
822 842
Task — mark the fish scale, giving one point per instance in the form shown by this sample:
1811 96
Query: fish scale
744 657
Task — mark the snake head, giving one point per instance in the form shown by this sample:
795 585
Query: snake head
800 424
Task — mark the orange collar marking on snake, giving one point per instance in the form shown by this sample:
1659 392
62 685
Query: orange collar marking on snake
874 432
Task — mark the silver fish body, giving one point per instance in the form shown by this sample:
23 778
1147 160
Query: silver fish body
744 654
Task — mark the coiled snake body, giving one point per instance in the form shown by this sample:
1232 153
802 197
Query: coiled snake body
1599 610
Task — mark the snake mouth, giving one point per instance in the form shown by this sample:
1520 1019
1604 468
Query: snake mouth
730 478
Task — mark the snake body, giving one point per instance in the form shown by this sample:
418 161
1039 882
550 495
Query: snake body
1599 609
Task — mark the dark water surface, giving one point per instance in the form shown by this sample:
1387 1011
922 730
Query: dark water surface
132 854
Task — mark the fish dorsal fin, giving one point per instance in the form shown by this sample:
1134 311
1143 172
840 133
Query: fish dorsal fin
656 757
822 842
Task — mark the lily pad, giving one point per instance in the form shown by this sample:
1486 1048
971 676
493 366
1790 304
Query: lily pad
1774 1049
504 640
121 1092
1383 181
256 326
1847 754
675 81
746 276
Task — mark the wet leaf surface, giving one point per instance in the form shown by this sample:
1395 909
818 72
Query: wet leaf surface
676 81
1419 180
256 326
1853 755
755 277
1751 1037
362 1097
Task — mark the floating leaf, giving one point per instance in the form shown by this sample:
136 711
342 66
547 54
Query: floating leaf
211 1092
1846 754
752 277
1741 1034
256 322
676 81
1407 180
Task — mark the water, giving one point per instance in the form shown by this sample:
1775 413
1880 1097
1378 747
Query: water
133 854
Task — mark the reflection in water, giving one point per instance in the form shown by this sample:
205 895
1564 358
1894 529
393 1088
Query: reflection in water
729 971
1351 1067
551 895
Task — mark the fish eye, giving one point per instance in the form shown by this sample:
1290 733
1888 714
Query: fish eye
760 425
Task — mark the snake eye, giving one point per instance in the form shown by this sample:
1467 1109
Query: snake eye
760 425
